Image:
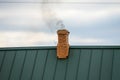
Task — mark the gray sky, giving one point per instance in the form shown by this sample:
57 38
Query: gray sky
24 24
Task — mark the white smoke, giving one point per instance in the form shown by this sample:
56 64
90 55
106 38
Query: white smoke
50 17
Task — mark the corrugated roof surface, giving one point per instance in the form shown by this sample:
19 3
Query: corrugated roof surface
40 63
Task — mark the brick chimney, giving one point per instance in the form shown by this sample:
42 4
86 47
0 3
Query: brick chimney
63 44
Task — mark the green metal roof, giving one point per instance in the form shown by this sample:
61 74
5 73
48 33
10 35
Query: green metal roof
40 63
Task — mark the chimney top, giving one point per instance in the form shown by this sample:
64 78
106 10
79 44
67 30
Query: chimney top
63 31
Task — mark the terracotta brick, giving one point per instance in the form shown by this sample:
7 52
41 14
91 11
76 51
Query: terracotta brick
63 44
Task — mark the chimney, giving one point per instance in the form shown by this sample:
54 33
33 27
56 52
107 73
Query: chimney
63 44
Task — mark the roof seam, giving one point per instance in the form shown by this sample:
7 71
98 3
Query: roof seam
101 65
66 69
23 65
89 65
55 69
12 65
45 65
2 61
112 65
34 64
78 66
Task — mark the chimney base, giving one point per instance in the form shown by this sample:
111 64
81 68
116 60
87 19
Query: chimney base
62 50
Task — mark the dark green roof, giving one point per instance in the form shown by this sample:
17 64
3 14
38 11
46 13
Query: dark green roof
41 63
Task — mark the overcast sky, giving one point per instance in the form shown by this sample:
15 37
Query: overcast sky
27 24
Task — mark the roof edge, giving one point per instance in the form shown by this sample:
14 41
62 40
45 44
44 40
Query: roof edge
55 47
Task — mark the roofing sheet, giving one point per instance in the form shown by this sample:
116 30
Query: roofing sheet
41 63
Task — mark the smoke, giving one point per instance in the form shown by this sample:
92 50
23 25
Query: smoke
50 17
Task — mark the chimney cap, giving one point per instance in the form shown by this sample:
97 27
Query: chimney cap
63 31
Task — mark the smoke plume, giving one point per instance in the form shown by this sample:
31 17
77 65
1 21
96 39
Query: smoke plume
50 17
